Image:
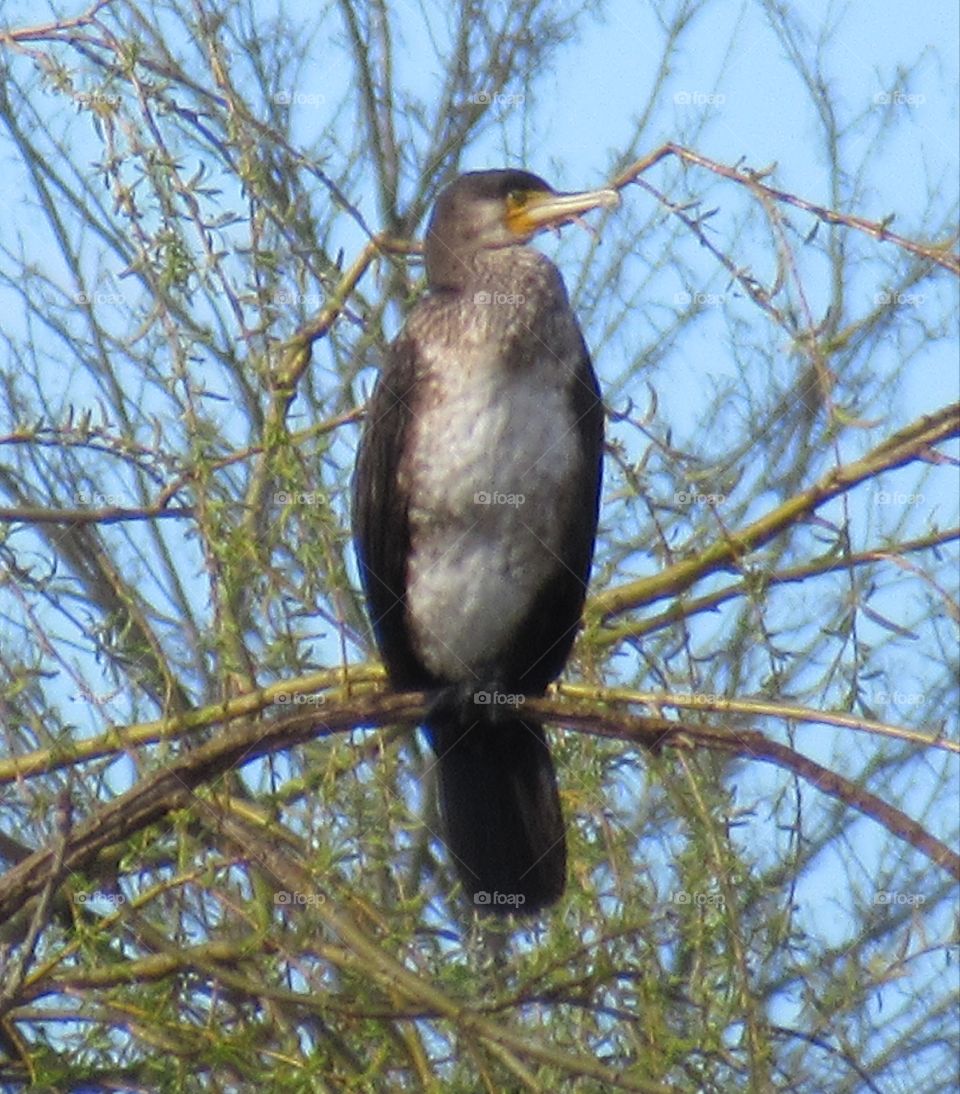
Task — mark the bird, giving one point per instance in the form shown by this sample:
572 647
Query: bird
476 494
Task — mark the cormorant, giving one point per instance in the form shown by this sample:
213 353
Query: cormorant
476 494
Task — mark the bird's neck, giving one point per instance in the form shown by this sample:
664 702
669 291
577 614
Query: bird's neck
495 269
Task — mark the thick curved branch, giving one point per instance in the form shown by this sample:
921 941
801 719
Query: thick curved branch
753 745
173 788
153 798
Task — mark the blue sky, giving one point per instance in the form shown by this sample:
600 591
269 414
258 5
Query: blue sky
730 92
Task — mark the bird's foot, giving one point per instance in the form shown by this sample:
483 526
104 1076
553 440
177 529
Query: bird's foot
485 698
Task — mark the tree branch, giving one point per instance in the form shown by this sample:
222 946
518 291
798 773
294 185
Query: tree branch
915 442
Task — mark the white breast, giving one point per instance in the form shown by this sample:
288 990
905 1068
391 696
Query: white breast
490 462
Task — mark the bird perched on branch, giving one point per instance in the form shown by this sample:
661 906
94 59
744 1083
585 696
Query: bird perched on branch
475 511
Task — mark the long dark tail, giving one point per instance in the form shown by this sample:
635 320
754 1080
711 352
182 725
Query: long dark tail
503 825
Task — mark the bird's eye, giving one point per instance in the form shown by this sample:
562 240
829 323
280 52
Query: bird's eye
516 199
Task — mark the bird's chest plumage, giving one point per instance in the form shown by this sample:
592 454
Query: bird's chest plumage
492 450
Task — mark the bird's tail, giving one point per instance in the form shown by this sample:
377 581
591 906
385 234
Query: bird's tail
503 825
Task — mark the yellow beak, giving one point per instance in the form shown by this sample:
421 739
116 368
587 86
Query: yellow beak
543 210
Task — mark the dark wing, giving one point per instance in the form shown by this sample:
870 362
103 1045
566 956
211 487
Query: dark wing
588 410
381 526
547 635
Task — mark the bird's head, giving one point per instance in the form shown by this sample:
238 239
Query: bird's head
483 210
